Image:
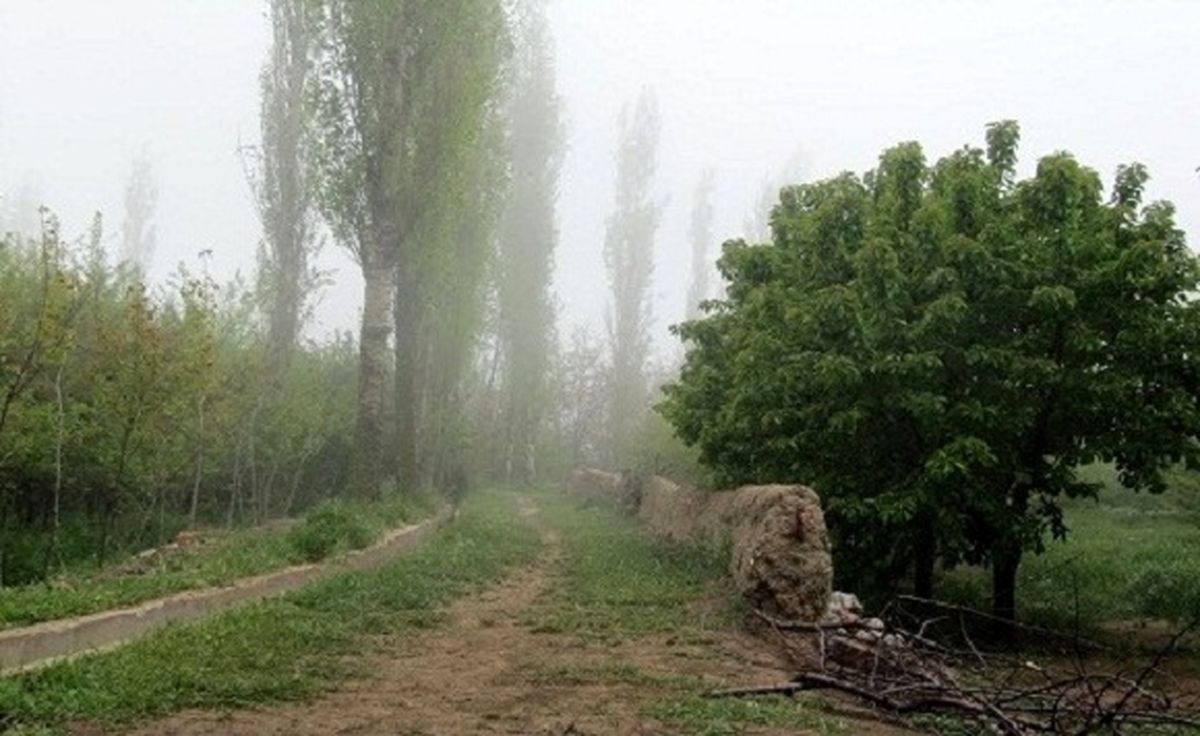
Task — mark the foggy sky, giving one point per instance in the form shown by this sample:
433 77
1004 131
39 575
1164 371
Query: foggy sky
747 87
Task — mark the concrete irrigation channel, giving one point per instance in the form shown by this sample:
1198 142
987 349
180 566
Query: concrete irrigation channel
37 646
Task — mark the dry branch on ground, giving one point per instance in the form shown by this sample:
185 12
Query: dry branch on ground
905 664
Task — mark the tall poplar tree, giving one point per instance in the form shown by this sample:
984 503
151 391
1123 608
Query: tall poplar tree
629 258
360 116
279 179
398 86
702 237
455 199
529 237
138 231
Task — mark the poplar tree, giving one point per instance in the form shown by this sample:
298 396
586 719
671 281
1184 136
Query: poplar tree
280 182
702 237
455 204
138 230
629 259
401 89
528 238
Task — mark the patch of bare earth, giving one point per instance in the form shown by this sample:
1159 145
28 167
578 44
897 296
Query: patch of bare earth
485 671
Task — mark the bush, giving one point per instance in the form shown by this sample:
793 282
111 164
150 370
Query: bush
1171 593
333 526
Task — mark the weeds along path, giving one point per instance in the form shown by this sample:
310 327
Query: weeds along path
606 633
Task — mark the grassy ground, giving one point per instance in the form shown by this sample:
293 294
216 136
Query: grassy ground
326 530
617 581
732 716
1127 557
280 650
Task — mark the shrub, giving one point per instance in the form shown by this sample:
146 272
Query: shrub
333 526
1166 592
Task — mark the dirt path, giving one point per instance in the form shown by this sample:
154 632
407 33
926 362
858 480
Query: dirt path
485 671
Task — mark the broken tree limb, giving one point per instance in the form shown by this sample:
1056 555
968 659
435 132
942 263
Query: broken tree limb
900 670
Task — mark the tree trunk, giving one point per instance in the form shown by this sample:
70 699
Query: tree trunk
408 357
235 488
59 440
925 557
1006 560
367 468
199 476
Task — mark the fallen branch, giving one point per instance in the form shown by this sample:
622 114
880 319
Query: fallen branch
903 671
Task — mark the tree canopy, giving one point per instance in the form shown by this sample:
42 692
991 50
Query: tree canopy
938 348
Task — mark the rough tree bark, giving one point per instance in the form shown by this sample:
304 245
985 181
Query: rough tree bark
367 470
407 385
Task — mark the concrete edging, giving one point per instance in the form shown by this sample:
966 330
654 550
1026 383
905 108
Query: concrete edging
37 646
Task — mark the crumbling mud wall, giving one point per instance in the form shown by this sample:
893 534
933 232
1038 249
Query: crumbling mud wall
780 555
622 489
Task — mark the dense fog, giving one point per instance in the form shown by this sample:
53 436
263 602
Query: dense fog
763 92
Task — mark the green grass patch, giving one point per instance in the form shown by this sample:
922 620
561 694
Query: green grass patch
284 649
328 529
733 716
1127 556
618 580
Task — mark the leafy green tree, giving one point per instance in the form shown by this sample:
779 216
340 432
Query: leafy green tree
629 258
361 125
402 93
38 306
581 397
528 238
128 412
938 349
279 178
441 286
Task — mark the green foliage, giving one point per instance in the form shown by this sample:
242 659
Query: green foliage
937 348
281 650
329 528
654 449
407 168
338 526
527 239
1128 557
128 413
576 433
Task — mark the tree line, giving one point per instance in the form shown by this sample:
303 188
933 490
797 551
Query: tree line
425 138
